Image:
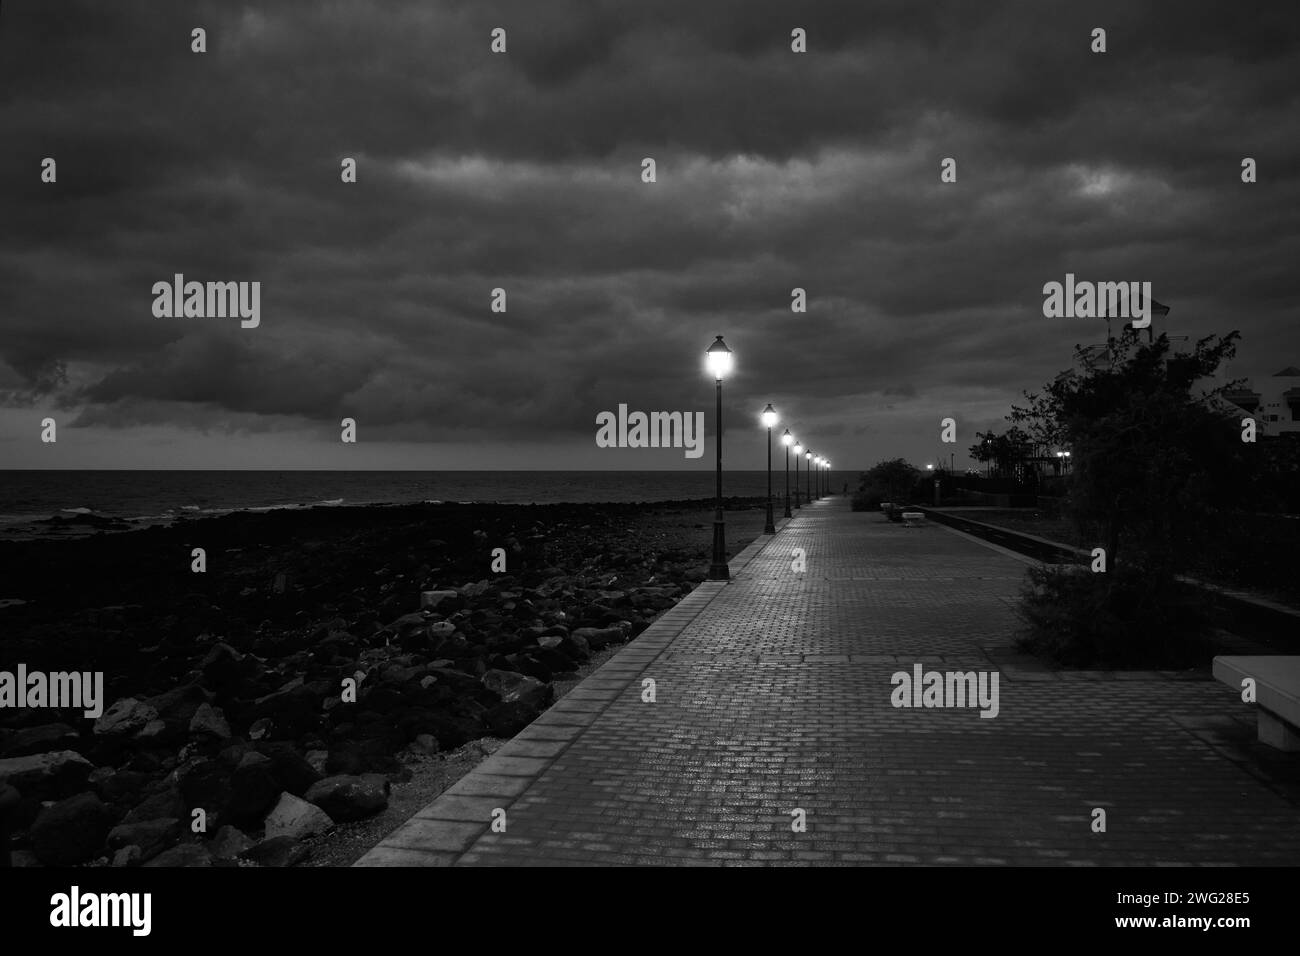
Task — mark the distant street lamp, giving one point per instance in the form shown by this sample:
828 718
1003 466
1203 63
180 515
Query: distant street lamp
798 454
807 458
769 419
718 359
787 439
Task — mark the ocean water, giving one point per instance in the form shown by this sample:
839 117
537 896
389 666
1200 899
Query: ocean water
160 495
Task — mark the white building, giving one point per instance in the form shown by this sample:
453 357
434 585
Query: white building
1275 405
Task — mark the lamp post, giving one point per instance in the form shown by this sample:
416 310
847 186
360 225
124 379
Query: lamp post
798 453
769 419
718 358
807 475
821 477
786 440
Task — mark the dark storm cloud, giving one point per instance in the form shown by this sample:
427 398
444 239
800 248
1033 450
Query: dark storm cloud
522 171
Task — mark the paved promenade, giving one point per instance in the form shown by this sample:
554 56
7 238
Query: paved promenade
773 693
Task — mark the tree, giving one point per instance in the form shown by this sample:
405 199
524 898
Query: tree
885 481
1155 463
1004 451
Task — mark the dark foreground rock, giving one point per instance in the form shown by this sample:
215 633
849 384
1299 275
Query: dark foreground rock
258 704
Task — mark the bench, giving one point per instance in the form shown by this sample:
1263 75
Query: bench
1277 695
910 518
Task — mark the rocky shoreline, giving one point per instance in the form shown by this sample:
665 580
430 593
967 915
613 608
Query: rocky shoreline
252 707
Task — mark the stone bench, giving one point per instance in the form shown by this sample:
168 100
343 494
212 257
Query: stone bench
912 518
1277 695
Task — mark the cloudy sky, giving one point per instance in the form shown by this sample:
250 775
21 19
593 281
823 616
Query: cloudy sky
523 171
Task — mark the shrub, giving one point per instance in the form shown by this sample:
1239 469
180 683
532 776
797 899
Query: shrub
884 481
1121 618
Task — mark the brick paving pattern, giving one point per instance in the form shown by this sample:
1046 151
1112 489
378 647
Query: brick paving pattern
773 693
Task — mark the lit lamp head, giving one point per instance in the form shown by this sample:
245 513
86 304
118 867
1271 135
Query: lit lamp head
787 438
718 359
807 456
769 416
929 467
798 449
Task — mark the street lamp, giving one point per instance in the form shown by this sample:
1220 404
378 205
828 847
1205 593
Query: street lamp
787 440
718 359
807 475
798 453
769 419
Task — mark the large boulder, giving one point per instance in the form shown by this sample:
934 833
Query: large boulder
431 599
151 836
179 703
228 843
513 687
277 851
48 776
125 717
297 819
293 772
204 783
346 797
183 854
165 802
253 789
209 721
71 831
225 670
598 637
296 707
38 740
